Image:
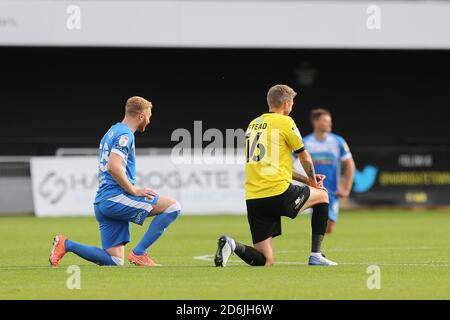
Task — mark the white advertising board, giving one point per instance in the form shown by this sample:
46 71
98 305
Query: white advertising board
66 186
222 23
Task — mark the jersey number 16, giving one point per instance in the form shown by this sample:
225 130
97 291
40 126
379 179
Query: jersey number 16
251 146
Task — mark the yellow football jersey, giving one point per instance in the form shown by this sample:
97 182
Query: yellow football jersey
269 141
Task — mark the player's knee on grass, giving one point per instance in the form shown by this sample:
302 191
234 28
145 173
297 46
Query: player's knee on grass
269 262
269 259
263 253
118 261
259 260
117 253
250 255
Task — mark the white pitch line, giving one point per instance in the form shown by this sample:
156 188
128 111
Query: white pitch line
210 258
52 268
369 249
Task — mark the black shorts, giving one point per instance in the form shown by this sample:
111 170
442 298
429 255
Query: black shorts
264 214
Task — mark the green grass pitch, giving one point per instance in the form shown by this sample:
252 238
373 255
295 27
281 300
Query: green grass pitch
412 250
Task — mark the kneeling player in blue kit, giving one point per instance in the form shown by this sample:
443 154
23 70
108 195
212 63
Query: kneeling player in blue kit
118 202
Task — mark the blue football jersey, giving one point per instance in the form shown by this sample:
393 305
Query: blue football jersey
326 156
120 140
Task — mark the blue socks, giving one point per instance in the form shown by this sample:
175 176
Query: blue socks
157 228
90 253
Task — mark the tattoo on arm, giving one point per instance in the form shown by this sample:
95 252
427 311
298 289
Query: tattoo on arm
309 169
308 166
297 176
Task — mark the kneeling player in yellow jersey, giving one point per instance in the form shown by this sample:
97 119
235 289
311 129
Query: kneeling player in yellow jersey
270 140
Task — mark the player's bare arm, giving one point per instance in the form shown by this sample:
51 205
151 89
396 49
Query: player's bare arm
116 170
297 176
349 169
307 164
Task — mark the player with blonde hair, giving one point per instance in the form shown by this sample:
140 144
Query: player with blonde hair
118 202
270 140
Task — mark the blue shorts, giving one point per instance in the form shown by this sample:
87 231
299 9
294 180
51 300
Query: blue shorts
333 210
115 214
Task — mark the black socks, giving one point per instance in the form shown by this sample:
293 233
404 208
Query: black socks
249 255
319 222
316 242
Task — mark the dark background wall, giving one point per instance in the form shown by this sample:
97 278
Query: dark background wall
68 97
